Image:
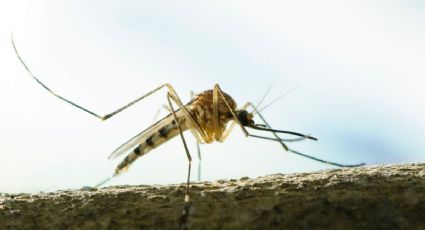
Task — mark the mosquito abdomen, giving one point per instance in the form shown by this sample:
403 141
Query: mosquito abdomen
155 136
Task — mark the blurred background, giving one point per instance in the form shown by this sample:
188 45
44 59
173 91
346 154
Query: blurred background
357 66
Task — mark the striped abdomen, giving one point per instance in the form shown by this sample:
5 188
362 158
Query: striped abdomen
152 137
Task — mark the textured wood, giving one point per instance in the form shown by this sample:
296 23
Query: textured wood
380 197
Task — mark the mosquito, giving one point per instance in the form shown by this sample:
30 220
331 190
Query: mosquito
210 116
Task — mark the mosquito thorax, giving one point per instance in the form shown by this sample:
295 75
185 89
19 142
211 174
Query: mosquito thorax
244 117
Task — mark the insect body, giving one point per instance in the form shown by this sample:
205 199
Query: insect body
200 109
207 116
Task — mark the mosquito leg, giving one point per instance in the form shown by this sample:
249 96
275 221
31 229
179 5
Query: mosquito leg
217 131
220 92
296 152
198 148
134 102
175 98
185 215
104 117
231 127
194 125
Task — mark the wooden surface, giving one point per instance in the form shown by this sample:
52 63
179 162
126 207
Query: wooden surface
379 197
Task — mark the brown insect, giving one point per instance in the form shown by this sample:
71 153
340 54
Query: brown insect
210 116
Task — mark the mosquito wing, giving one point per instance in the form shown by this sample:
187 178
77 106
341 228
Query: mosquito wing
141 137
127 146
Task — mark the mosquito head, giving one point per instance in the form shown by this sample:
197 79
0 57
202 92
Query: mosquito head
245 117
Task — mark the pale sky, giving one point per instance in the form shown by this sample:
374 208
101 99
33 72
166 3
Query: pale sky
358 65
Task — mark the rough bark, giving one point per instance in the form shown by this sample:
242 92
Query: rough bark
380 197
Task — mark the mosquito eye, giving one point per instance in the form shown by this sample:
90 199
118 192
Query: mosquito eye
243 118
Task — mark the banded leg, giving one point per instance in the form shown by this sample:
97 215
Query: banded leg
296 152
185 214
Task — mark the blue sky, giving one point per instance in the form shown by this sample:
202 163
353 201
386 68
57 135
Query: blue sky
357 65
